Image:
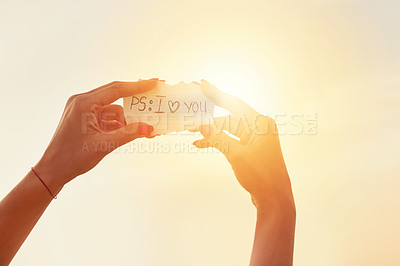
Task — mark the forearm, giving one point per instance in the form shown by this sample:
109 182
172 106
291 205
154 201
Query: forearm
274 237
19 212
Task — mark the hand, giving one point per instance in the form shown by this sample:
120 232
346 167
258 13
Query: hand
90 128
256 158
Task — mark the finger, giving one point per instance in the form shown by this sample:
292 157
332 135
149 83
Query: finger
162 80
101 87
126 134
152 136
116 90
113 112
229 146
227 122
235 126
241 128
92 122
110 125
231 103
112 84
94 128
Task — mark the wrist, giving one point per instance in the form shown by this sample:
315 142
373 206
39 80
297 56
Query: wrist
50 175
276 206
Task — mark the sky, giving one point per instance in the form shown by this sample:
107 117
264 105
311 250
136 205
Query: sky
328 71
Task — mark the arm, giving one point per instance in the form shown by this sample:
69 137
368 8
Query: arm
89 121
259 167
274 237
19 212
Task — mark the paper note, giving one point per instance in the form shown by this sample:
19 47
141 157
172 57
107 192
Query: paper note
170 108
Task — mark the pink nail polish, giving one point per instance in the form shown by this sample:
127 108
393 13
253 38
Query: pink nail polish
145 130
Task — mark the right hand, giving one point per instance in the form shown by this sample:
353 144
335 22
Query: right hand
256 158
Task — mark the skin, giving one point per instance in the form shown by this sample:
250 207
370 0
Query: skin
91 127
89 121
259 167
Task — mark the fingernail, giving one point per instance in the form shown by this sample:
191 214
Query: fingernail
145 130
162 80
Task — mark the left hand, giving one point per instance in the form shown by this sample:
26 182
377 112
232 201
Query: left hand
90 128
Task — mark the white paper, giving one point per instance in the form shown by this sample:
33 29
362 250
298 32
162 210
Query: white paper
170 108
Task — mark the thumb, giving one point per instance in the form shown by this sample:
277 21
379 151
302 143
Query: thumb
128 133
220 140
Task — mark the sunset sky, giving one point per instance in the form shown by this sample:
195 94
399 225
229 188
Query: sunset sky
328 71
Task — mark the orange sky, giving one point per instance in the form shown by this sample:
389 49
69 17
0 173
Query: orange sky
338 60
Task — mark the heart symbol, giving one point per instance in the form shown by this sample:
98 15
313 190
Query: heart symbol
171 105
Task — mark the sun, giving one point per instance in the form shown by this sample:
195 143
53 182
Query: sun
236 73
